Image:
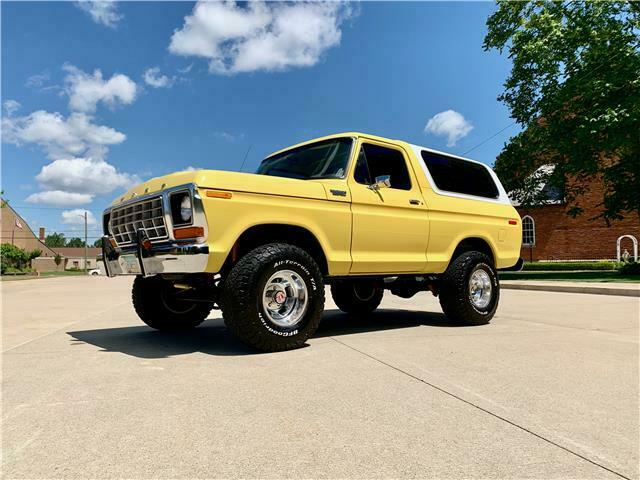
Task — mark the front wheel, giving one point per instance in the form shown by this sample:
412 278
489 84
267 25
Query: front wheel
469 290
273 297
157 303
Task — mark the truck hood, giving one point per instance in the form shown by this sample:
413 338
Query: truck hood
231 181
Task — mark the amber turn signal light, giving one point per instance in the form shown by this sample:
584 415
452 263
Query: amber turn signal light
188 232
219 194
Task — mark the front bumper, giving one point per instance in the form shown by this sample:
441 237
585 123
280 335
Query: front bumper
148 259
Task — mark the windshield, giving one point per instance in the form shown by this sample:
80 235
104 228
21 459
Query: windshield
326 159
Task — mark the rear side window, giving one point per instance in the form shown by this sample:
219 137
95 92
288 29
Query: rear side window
375 161
460 176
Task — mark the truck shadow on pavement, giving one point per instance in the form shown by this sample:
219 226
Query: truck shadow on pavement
213 338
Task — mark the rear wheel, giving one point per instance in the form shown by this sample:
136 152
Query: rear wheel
356 297
157 303
273 297
469 290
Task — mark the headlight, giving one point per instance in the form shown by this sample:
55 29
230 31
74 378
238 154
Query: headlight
185 208
181 208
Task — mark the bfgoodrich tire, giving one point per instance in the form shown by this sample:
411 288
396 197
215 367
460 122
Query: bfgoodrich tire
469 290
273 297
155 304
357 297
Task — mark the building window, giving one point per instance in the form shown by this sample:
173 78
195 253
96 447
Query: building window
528 231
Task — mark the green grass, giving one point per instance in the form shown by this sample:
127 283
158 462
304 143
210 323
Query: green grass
557 266
31 276
592 276
64 273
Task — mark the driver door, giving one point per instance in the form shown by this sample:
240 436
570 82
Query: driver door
390 223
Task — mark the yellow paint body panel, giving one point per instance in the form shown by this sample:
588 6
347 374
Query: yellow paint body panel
361 232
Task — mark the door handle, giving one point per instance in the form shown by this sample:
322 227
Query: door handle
414 201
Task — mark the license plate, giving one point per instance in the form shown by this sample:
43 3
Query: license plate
130 264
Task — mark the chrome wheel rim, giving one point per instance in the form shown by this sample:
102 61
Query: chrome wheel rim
480 289
285 298
172 303
363 293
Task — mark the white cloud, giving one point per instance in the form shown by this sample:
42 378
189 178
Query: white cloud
76 217
153 78
61 137
10 107
104 12
229 137
86 91
450 124
80 175
60 198
37 81
260 36
192 169
186 69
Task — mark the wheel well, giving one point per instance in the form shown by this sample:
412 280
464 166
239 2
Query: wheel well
474 244
270 233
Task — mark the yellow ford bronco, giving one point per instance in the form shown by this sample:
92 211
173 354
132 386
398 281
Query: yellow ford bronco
360 213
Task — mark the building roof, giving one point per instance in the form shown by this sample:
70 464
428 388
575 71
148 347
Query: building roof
17 231
69 252
537 188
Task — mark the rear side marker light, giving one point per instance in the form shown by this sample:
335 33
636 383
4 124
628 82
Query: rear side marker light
217 194
513 222
188 232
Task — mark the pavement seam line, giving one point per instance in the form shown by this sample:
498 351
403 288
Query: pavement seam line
495 415
64 327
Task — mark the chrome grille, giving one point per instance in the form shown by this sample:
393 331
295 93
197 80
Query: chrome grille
147 215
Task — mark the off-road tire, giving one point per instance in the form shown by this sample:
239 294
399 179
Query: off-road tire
454 289
242 290
358 297
159 312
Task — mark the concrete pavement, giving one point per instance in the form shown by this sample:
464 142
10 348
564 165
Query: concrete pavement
595 288
548 390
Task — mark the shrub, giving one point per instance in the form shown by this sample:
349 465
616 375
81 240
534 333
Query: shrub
568 266
629 268
12 257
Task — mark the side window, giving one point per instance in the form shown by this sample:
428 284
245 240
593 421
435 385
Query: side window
460 176
375 161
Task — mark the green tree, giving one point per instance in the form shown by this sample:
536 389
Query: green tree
57 259
574 88
75 242
12 257
98 243
54 240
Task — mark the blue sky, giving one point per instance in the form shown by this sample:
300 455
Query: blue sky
181 86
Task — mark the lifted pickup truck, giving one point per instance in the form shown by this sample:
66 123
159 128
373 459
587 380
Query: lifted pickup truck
360 213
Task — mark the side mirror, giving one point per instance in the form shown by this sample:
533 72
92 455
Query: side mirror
383 181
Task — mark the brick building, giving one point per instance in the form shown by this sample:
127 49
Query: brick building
16 231
550 234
